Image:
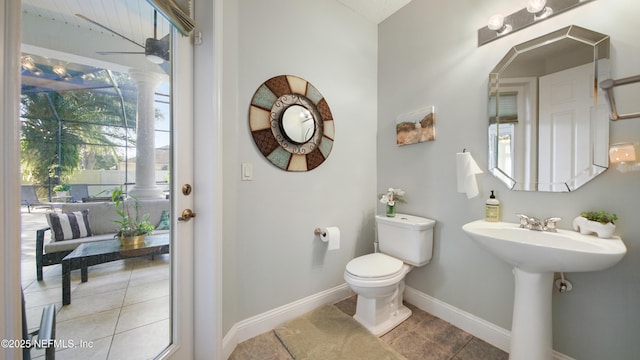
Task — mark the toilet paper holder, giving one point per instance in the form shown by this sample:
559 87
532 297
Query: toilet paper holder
318 231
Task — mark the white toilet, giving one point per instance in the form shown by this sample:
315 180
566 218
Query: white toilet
404 241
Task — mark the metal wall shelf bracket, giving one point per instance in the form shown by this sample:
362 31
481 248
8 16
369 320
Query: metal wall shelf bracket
608 85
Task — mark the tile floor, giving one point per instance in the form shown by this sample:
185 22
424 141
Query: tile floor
122 312
421 337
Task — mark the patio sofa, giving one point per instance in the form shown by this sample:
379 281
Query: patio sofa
101 218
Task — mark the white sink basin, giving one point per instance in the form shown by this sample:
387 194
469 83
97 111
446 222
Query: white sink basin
538 251
535 256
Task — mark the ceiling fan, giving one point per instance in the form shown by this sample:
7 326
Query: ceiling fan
155 50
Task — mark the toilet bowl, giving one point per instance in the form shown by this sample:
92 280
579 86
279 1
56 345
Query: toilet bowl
378 279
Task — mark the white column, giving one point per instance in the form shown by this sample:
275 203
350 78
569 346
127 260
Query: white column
145 187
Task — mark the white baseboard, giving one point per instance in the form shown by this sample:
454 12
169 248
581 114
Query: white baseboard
261 323
480 328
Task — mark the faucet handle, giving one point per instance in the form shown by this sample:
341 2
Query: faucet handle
550 224
524 220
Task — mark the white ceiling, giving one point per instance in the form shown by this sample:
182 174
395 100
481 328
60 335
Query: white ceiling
375 10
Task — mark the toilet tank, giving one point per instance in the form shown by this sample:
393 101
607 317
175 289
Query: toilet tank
406 237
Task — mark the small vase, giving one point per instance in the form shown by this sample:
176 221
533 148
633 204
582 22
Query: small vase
391 210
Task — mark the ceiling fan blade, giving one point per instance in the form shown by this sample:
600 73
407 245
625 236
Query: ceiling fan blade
119 52
109 30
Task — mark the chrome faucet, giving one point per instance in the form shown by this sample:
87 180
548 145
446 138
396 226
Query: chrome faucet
549 224
532 223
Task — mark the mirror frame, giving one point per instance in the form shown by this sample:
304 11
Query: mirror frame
599 163
268 105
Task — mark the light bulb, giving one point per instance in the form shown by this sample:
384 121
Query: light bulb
535 6
539 9
59 70
27 63
496 22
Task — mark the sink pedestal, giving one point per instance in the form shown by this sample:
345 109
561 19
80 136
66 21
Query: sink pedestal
531 329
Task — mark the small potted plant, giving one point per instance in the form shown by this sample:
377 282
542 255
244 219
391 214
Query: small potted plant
62 190
598 222
390 198
133 227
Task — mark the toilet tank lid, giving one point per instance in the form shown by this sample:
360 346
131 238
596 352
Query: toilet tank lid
408 221
374 265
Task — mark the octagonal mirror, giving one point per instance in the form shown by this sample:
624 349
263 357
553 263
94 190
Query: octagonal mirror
548 121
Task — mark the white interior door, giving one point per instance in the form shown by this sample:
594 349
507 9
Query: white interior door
564 126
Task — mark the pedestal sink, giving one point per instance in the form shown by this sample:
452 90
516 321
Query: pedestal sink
535 256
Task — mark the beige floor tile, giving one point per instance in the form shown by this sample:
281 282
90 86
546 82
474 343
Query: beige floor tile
89 327
147 291
42 297
140 343
145 275
91 304
143 313
101 283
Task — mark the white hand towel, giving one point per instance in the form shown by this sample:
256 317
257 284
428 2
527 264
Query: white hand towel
467 169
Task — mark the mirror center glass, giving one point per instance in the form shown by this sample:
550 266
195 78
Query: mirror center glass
297 124
548 125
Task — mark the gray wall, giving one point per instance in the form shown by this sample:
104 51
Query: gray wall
428 56
271 256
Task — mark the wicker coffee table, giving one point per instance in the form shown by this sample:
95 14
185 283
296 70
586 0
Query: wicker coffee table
100 252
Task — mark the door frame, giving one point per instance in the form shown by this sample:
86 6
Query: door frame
208 180
10 300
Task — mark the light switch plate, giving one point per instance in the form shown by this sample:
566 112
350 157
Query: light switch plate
247 172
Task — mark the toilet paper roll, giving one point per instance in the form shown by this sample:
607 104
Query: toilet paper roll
331 235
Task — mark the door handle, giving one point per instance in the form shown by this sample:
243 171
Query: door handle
187 214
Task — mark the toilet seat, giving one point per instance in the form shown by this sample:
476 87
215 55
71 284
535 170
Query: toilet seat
376 265
375 270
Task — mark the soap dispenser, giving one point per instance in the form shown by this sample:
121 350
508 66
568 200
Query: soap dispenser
492 209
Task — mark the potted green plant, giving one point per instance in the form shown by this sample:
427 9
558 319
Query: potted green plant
133 227
62 190
598 222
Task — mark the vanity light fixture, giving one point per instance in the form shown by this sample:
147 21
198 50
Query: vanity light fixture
534 11
623 155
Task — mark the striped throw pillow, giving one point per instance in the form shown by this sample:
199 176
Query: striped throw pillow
70 225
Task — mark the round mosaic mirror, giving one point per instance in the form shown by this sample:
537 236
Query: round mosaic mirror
291 123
